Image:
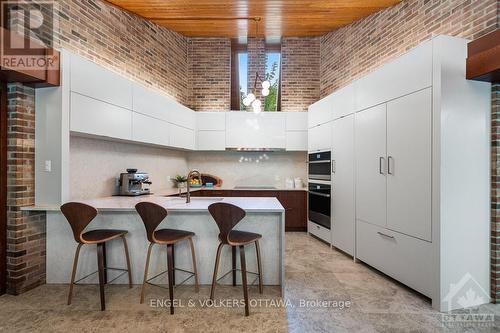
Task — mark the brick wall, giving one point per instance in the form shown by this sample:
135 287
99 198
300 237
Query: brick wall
356 49
125 43
495 193
300 80
210 74
25 230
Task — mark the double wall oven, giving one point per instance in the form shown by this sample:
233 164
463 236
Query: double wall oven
320 194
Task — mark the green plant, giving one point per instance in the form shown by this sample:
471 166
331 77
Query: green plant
180 179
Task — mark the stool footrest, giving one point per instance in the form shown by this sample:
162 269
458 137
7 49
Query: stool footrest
123 270
237 270
191 274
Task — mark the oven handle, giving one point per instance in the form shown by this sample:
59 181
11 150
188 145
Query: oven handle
320 194
320 161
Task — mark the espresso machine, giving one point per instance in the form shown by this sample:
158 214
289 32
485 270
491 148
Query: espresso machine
132 183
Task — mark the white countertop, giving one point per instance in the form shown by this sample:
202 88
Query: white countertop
117 203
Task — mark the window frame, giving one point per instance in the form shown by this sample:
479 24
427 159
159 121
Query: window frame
236 48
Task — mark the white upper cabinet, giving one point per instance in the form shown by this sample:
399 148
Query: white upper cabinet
182 116
296 121
181 137
404 75
319 137
296 141
342 101
211 121
92 80
91 116
150 130
409 133
320 112
250 130
211 131
151 103
211 140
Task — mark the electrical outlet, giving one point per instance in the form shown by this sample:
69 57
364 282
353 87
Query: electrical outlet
169 178
48 166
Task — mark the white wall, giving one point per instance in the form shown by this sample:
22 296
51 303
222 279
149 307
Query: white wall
96 164
242 168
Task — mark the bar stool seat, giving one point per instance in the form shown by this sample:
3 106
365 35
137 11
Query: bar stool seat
171 236
227 216
102 235
237 238
79 216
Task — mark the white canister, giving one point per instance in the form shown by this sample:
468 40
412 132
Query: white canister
298 182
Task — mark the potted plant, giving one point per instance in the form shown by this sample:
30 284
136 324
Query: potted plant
180 181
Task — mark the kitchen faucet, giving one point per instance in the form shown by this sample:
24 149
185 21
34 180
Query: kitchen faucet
190 176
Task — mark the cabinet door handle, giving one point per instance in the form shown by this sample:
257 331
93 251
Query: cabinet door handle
389 159
334 166
385 235
380 160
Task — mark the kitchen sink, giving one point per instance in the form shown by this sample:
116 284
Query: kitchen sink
195 199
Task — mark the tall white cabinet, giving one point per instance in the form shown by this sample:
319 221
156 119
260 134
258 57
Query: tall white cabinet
414 180
343 204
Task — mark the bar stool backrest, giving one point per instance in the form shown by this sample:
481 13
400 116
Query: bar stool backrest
227 216
152 215
79 215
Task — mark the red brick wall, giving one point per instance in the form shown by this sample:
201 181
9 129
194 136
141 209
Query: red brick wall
25 230
300 77
125 43
354 50
210 74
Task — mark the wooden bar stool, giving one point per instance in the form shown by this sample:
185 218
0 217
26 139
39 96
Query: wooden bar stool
227 216
152 215
79 216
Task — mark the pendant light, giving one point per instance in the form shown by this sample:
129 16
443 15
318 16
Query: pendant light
251 98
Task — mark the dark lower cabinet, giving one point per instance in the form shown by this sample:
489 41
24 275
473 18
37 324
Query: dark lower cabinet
294 202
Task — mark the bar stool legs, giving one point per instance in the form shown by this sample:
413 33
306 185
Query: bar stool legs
102 277
234 269
145 281
216 268
101 270
170 272
193 256
244 278
73 273
127 257
259 265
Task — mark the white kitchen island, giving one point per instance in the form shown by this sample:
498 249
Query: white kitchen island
265 216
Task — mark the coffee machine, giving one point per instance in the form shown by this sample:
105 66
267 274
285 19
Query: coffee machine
132 183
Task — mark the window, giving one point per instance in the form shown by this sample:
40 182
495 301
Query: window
239 77
273 75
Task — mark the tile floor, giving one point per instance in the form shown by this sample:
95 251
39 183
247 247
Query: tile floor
313 272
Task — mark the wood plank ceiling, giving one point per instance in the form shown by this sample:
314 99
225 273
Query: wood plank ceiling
219 18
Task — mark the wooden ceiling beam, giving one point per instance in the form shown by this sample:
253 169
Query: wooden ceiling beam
483 58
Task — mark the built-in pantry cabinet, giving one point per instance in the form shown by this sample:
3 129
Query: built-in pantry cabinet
410 170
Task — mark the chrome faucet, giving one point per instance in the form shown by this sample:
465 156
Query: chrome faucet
190 176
